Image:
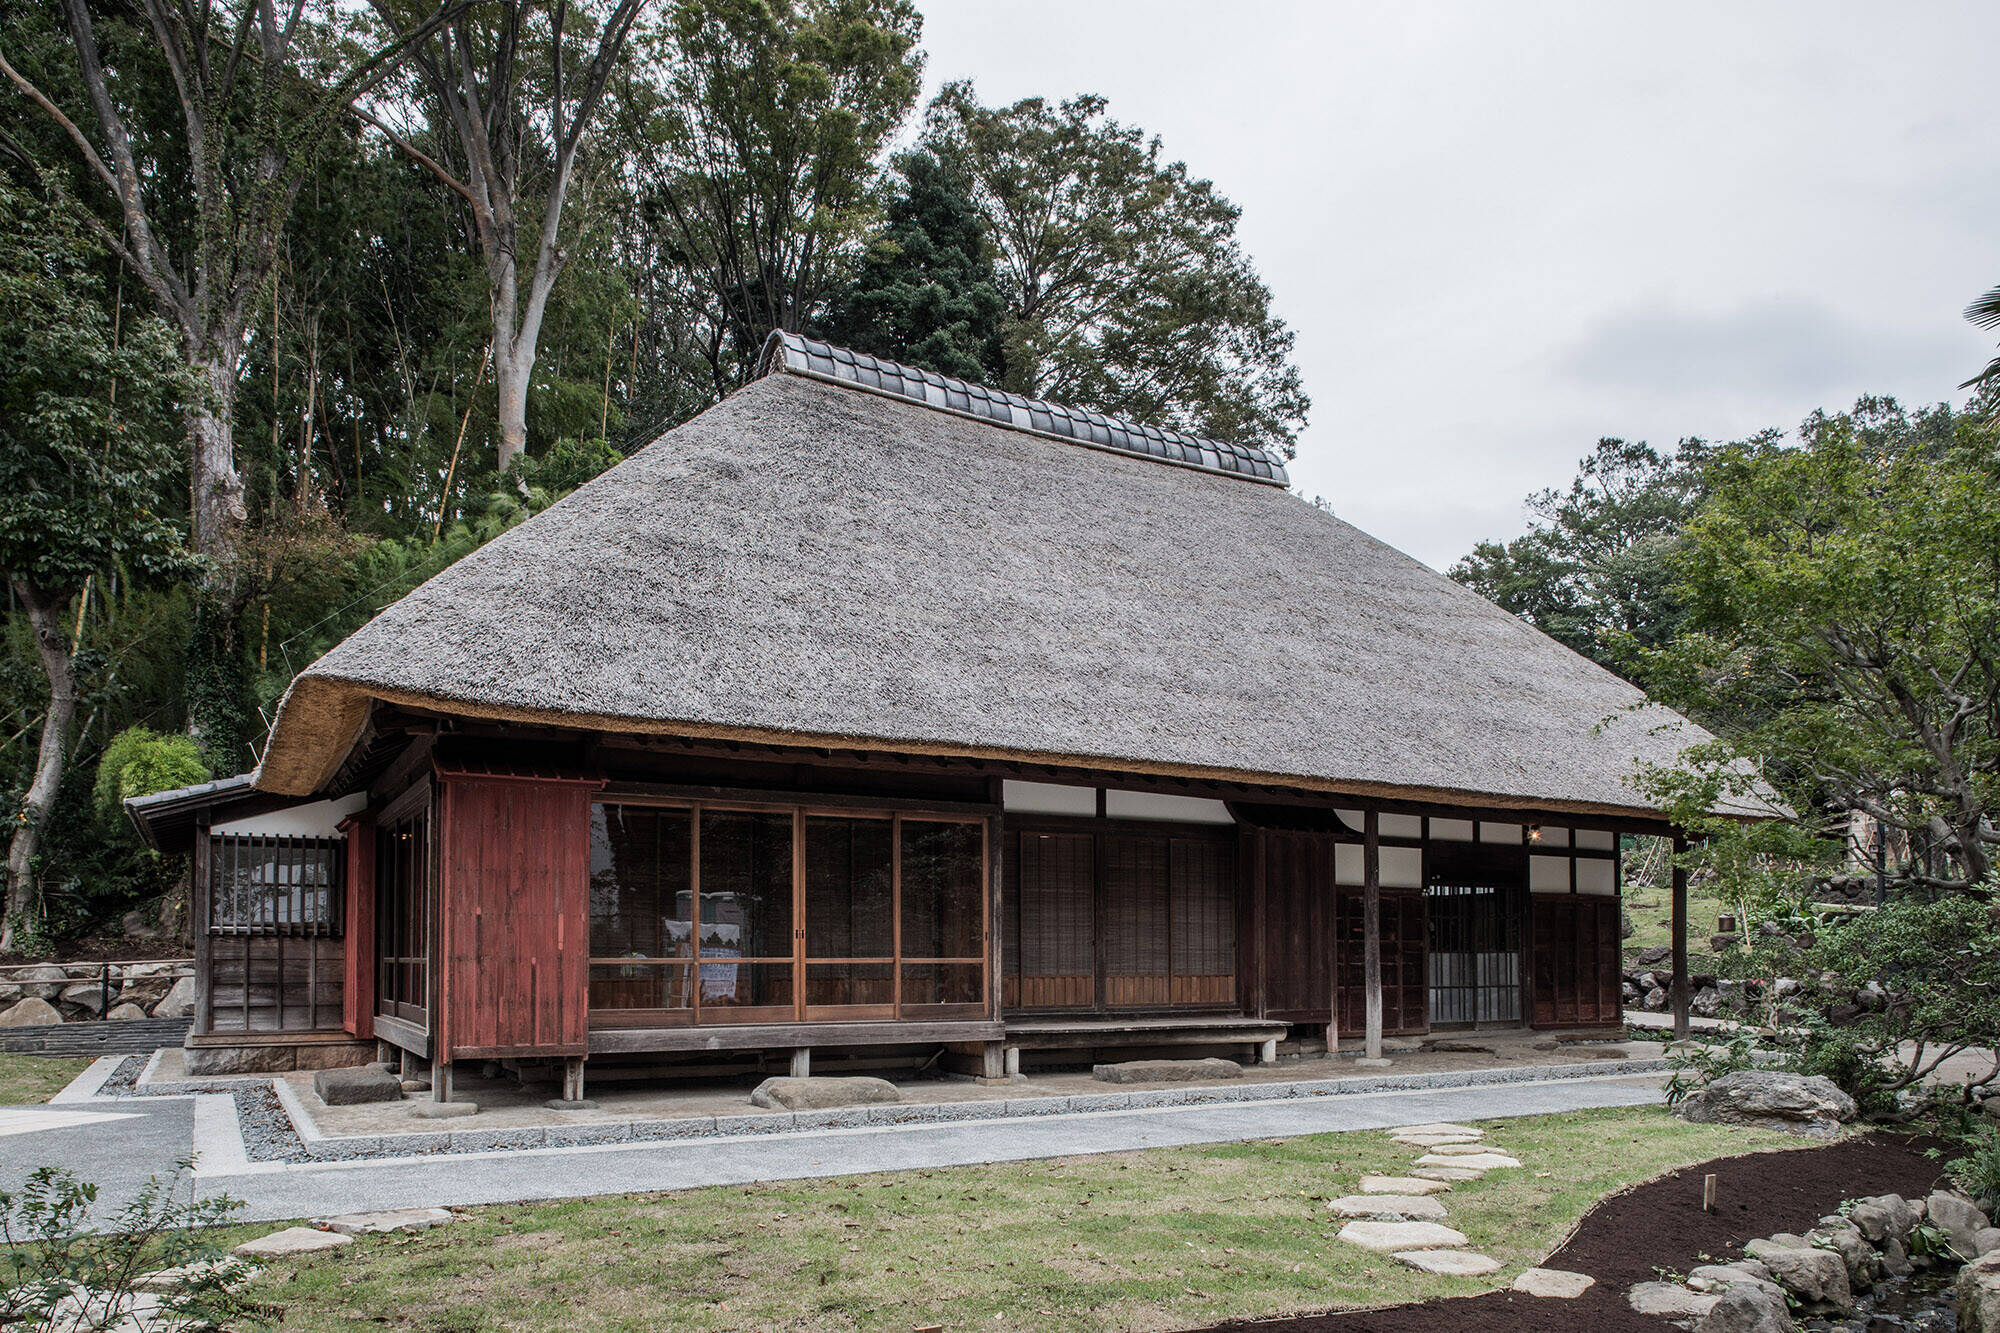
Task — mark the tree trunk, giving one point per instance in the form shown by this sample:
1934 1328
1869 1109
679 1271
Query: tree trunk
45 619
513 367
216 487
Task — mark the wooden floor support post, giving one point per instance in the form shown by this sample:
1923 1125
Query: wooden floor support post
440 1081
802 1062
1371 931
993 1061
1683 1028
573 1078
1267 1051
1012 1067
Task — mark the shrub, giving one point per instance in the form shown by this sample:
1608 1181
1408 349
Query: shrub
139 762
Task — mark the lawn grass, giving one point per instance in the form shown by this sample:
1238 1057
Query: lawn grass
1652 917
1163 1239
27 1080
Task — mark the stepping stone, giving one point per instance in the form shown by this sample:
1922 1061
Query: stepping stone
1485 1161
1436 1127
391 1219
1451 1263
290 1241
1402 1185
1434 1140
1389 1208
443 1110
1471 1149
1388 1237
1669 1300
1449 1174
1553 1283
228 1272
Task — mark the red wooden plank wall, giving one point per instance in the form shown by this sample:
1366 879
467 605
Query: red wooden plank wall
358 994
515 918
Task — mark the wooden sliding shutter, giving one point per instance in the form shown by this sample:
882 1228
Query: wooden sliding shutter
1405 948
1051 958
1136 964
1298 901
1203 921
1576 960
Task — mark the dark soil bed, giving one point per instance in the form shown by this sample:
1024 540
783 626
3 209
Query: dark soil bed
1661 1225
102 949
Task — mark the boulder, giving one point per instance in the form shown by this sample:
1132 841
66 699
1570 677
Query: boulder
44 981
1656 999
32 1012
1747 1310
1723 942
145 991
1883 1217
1817 1277
1388 1208
1743 1273
1556 1284
1166 1071
1707 1003
9 993
823 1094
1864 1265
179 1002
1669 1300
1389 1237
1979 1296
1654 955
122 1012
1986 1240
1959 1219
357 1086
85 995
1896 1258
1796 1103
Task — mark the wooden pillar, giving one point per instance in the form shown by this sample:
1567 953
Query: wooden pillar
440 1081
802 1062
572 1088
1332 945
1682 1027
1371 930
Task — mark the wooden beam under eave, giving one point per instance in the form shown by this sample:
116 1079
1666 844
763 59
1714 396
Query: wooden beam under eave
1683 1026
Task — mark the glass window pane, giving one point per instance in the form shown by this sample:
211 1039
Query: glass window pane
641 986
850 983
746 886
941 983
641 891
745 985
943 910
849 908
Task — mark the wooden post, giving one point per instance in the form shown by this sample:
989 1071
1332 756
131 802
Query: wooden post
1371 929
572 1090
440 1081
1682 1027
802 1062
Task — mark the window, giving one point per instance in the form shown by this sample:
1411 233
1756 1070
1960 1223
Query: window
274 885
402 910
708 915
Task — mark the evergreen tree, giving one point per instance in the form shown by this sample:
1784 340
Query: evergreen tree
927 295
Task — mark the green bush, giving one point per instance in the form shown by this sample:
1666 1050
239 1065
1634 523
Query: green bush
139 762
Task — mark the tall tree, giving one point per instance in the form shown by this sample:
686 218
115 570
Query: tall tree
1594 569
88 427
1843 607
515 114
757 158
927 294
1126 288
196 212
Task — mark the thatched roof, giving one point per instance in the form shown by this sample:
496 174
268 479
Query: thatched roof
812 561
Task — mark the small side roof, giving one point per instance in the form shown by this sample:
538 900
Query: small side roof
167 820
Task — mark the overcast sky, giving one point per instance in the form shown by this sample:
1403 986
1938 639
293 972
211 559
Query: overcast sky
1502 231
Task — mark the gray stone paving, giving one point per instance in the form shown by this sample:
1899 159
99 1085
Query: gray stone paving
122 1153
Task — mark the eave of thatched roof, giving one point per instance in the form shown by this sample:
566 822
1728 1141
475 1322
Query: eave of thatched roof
810 563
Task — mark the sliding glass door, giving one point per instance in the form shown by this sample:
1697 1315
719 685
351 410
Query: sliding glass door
709 915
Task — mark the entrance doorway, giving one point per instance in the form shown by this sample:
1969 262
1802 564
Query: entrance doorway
1475 954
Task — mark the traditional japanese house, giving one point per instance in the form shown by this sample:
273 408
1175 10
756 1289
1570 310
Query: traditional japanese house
873 711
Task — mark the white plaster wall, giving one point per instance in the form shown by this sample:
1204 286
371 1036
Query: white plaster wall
1509 834
1152 805
1593 876
1596 839
317 819
1048 798
1548 874
1451 830
1402 867
1401 826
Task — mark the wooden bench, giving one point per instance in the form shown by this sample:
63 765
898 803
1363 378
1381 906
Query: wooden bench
1069 1034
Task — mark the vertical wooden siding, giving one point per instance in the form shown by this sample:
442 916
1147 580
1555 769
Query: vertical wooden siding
515 918
1298 926
1575 969
358 995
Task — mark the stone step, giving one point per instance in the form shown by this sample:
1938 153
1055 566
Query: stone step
1449 1174
1553 1283
1388 1237
1451 1263
1403 1185
1469 1162
1434 1140
1388 1208
1470 1149
292 1240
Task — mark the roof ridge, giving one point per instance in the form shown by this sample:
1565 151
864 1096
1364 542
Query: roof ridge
796 354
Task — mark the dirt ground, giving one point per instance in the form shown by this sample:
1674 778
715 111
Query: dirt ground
1660 1225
